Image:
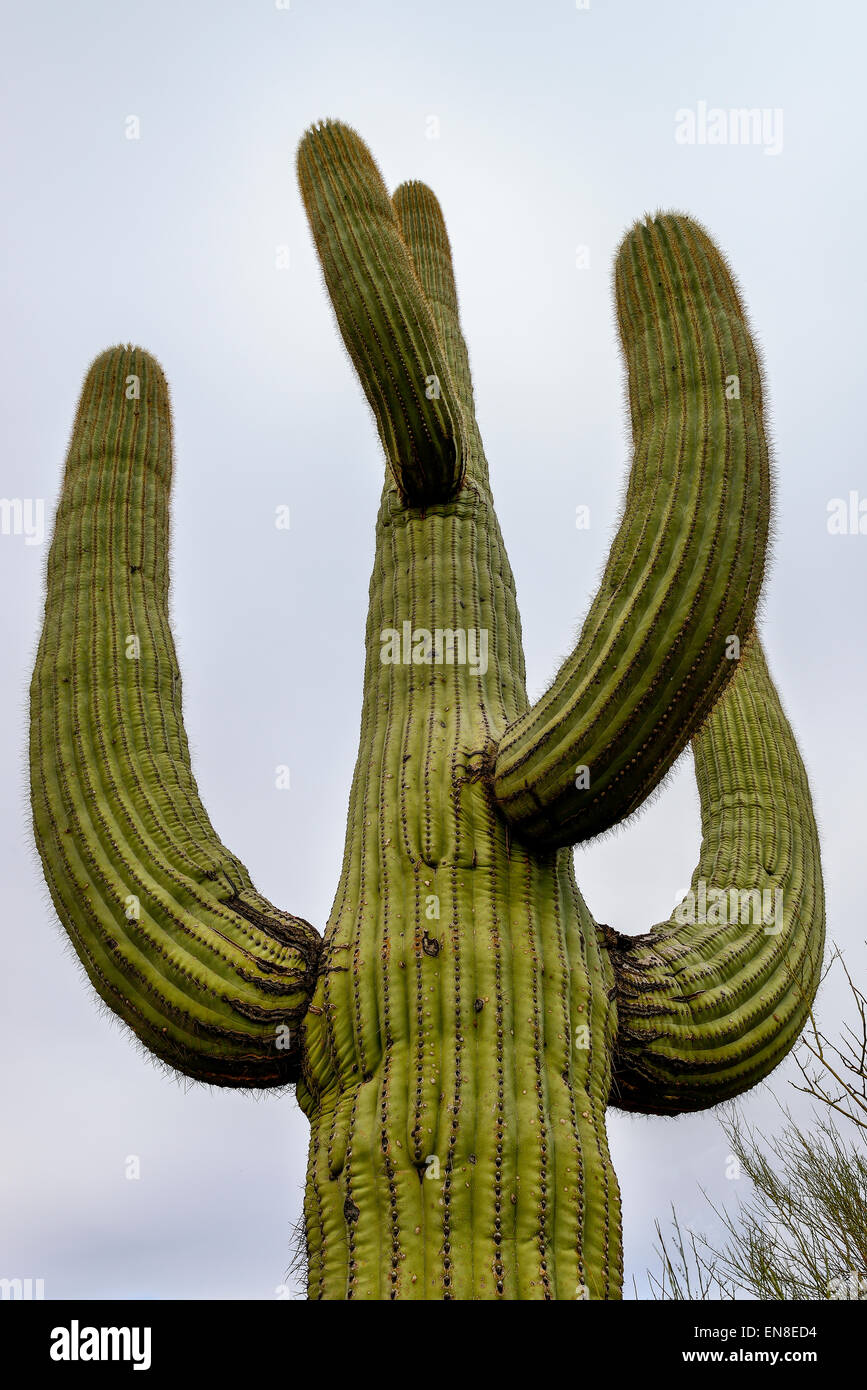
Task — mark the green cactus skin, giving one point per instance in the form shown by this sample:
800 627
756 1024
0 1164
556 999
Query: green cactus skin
385 319
171 931
685 569
703 1017
464 1023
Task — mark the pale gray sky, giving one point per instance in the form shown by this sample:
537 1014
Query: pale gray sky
555 128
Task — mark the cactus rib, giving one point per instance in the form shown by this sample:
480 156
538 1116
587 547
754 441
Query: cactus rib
707 1008
383 315
685 569
169 927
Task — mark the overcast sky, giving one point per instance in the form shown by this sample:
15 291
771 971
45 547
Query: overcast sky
543 128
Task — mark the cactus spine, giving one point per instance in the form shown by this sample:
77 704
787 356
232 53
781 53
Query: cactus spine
460 1029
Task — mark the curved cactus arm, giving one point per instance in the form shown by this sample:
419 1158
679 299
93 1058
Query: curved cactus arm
685 569
171 931
383 315
711 1000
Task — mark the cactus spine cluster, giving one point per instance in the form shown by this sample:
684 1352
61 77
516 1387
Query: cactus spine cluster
457 1034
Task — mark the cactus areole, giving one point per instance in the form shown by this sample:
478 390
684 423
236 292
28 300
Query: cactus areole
457 1033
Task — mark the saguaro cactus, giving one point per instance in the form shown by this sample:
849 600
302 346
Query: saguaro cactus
457 1034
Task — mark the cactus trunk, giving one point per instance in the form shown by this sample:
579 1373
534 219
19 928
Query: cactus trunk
457 1049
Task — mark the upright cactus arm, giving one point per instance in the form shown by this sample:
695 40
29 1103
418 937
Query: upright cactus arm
686 566
423 229
383 314
711 1000
170 929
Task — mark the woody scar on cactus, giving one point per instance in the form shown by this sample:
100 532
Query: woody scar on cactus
457 1033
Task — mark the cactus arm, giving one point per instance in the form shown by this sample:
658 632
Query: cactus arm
685 568
167 923
707 1008
383 315
423 229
